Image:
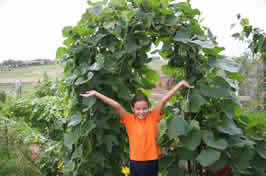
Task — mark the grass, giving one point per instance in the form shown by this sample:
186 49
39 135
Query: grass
12 161
14 167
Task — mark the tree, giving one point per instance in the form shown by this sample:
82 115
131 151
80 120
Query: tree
256 38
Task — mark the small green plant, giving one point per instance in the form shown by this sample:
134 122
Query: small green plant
19 160
256 121
46 87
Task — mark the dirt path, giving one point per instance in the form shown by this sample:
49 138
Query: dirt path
161 87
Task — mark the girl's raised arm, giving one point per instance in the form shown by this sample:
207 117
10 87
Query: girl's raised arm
119 109
168 95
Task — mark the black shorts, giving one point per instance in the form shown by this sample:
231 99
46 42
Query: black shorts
144 168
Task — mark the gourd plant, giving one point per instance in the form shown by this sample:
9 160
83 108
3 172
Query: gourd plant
108 50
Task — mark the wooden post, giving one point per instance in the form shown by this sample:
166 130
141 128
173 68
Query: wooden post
6 136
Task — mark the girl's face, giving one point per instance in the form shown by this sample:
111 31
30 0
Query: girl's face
141 109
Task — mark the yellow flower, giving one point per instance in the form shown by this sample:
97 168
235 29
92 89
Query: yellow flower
125 171
60 165
160 85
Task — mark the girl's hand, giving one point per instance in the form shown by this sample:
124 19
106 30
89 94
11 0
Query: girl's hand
89 93
186 84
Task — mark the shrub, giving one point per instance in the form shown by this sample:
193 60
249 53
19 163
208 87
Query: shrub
46 87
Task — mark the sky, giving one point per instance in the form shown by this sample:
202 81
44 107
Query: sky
32 29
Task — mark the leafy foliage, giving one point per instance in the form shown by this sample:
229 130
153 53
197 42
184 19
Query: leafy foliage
107 51
255 37
46 87
15 155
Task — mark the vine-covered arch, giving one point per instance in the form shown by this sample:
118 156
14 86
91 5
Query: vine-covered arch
107 51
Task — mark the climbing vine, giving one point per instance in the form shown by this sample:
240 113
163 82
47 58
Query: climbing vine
107 51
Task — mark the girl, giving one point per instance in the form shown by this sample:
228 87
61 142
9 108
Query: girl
142 129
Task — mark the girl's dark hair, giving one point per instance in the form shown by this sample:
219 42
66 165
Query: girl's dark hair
139 97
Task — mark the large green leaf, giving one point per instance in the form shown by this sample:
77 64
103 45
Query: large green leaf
69 166
220 164
185 154
171 20
213 51
98 157
148 19
234 76
182 36
259 163
219 81
69 140
224 64
228 126
241 158
192 140
95 67
60 52
80 81
99 64
176 171
75 119
209 140
152 75
196 100
151 4
89 75
110 140
228 108
131 45
177 127
95 39
88 127
77 153
97 10
240 141
71 78
169 71
67 31
208 157
214 92
204 44
88 102
118 3
261 149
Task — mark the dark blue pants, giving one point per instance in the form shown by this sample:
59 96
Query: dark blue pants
144 168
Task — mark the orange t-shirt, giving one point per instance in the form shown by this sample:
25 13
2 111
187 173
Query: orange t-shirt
142 136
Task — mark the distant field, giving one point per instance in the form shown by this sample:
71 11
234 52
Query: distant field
29 76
